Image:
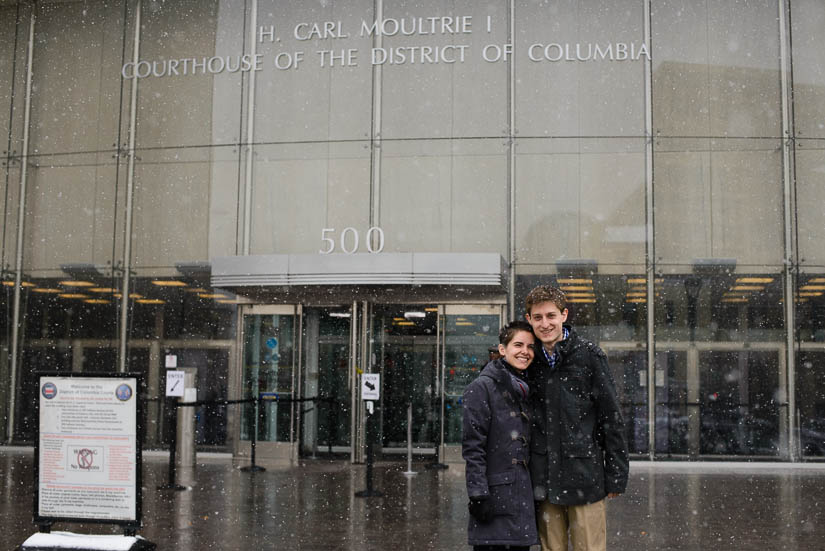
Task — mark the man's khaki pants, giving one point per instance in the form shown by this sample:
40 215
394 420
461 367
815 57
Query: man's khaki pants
587 525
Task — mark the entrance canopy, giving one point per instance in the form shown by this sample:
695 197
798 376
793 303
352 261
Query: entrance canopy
381 269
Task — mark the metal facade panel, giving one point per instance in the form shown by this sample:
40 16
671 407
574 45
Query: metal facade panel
252 265
457 263
359 269
359 263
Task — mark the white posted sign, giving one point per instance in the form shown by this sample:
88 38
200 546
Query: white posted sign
87 448
174 382
370 386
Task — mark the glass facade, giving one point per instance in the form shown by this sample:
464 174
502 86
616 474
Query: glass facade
661 161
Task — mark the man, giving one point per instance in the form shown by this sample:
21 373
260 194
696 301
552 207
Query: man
578 450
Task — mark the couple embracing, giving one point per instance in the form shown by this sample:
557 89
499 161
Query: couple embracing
543 436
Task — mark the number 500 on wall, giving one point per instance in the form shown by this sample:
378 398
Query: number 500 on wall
349 239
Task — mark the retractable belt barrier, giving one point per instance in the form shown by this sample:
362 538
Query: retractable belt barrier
266 398
171 484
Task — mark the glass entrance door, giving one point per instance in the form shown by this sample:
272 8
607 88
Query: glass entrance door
426 355
268 372
469 333
326 415
404 349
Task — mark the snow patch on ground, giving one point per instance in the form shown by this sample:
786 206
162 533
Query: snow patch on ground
69 540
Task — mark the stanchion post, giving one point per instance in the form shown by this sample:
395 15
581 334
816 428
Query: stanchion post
438 447
330 421
173 445
369 492
253 468
438 464
409 471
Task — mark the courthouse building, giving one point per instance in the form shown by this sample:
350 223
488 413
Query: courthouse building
284 195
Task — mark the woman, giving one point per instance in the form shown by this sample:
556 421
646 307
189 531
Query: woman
496 447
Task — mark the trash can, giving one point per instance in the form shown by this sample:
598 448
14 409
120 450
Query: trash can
185 453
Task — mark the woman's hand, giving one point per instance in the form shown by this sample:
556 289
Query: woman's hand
481 509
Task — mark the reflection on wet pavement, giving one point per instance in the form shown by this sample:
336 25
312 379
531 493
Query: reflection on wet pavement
668 506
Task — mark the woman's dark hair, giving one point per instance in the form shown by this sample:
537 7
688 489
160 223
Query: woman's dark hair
509 331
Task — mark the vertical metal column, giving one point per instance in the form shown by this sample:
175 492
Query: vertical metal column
441 354
77 355
250 133
153 390
650 248
130 188
375 138
366 367
235 387
355 413
310 384
782 378
21 218
790 268
297 384
409 471
511 160
694 402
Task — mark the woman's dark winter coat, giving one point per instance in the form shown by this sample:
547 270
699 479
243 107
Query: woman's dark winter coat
496 447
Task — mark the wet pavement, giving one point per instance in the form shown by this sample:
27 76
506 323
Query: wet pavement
686 506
